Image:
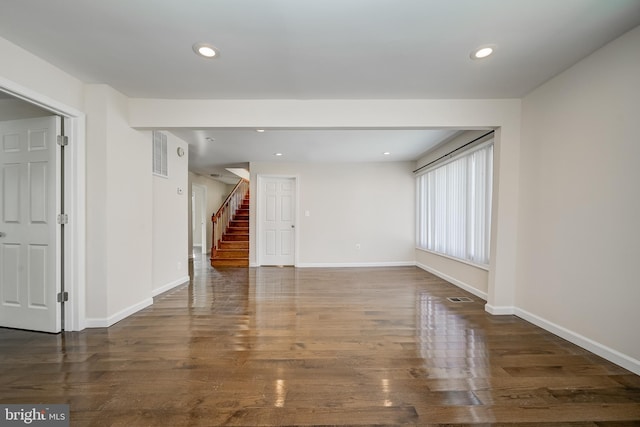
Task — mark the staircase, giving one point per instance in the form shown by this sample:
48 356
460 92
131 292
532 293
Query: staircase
231 242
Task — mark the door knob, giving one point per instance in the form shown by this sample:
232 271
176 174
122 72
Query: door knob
293 226
2 234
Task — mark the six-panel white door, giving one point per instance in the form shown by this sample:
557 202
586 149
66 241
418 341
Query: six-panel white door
29 201
277 221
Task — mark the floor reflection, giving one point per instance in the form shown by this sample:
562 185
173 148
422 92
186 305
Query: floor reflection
451 345
315 346
273 295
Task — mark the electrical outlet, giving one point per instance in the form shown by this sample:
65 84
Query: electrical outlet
358 246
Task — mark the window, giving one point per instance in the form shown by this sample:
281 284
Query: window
160 154
454 206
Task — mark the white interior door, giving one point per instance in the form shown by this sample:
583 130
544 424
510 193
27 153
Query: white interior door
29 202
277 221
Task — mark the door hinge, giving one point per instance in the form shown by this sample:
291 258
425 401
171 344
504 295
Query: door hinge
63 296
63 219
63 141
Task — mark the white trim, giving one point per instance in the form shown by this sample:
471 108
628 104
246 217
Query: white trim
355 264
170 285
122 314
499 310
76 205
601 350
256 221
75 199
453 281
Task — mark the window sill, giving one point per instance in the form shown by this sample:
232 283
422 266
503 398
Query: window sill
463 261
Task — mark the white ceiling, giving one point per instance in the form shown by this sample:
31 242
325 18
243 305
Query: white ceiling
314 49
311 49
237 147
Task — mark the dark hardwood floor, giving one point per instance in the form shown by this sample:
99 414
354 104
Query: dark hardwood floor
284 346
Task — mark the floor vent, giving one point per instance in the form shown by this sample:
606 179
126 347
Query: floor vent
460 299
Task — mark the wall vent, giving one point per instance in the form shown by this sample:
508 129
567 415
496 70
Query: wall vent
159 153
459 299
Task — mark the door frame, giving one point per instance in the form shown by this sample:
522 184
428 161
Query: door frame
296 206
74 266
203 214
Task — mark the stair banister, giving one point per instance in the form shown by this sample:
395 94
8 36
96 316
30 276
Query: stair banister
227 210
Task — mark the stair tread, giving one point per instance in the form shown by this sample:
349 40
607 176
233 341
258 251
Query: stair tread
237 230
230 253
230 263
233 250
234 244
235 238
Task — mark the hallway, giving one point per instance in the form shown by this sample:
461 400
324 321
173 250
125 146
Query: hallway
285 346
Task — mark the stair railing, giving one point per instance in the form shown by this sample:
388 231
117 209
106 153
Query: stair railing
226 213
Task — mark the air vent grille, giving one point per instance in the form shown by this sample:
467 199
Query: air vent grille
459 299
159 153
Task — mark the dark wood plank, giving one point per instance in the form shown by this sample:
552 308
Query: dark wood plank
285 346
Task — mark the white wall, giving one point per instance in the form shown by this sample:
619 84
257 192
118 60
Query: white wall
118 210
96 208
36 75
171 200
348 203
578 230
468 277
216 193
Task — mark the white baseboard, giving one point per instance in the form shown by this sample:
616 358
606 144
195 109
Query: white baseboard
355 264
170 285
115 318
499 310
453 281
601 350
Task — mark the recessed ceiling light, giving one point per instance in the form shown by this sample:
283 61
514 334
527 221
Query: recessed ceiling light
482 52
277 154
260 130
205 50
386 153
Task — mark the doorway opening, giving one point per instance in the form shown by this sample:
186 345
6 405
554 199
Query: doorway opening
199 218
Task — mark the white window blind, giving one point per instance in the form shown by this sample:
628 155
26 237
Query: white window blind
454 206
160 154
